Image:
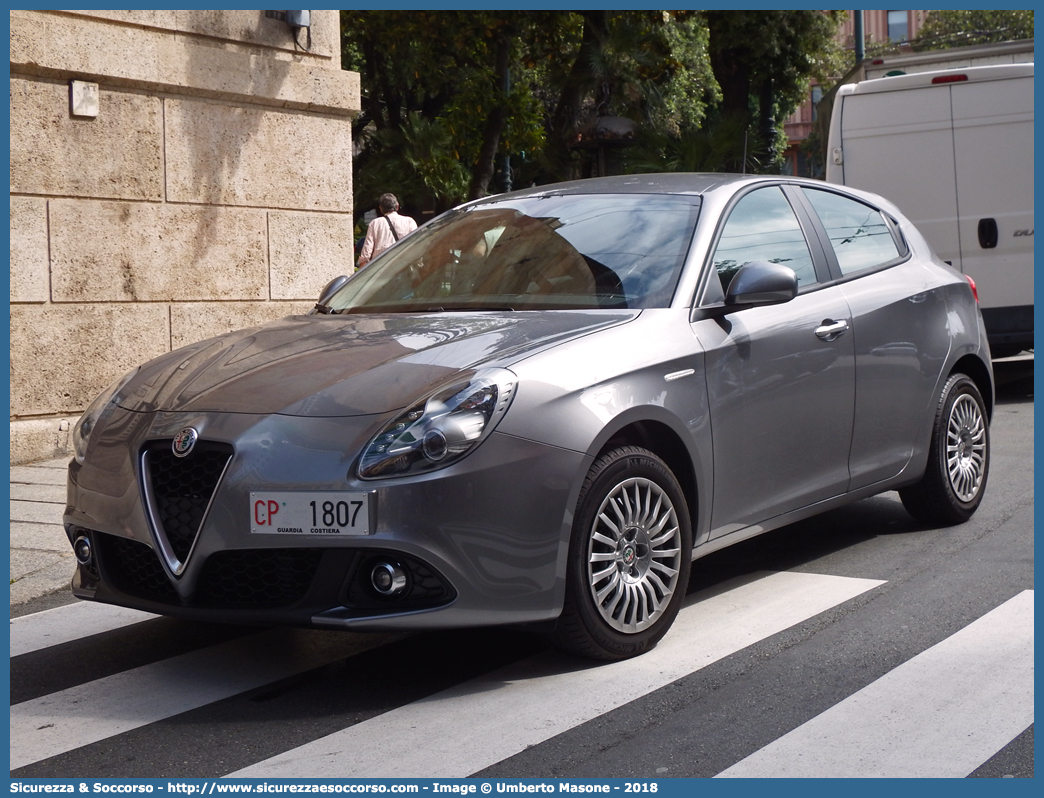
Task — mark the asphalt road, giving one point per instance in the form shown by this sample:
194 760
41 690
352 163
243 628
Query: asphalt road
855 643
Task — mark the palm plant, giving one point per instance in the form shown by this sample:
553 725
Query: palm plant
416 162
726 144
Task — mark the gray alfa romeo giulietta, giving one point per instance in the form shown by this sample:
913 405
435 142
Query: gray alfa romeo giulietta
538 409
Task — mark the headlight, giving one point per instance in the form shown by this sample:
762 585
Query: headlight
440 429
106 400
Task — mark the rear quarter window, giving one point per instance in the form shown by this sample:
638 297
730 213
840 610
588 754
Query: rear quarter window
860 236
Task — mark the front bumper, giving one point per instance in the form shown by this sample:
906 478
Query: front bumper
482 541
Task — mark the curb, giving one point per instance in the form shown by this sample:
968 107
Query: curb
42 561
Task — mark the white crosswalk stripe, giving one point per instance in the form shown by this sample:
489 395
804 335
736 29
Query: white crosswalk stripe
474 725
71 622
942 713
939 715
62 721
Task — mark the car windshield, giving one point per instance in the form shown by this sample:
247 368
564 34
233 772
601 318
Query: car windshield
539 253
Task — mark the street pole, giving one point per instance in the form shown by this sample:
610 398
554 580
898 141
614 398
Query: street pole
507 158
860 43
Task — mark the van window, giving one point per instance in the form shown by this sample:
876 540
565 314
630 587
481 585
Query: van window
858 233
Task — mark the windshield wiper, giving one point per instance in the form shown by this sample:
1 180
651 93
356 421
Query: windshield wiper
403 309
467 309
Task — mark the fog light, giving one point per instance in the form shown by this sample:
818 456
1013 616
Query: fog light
388 579
82 550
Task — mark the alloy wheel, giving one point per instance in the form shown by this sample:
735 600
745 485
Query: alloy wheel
966 448
634 555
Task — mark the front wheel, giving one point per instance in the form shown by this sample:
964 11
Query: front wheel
958 461
629 558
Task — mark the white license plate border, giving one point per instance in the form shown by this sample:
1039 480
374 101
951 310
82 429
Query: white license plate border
304 497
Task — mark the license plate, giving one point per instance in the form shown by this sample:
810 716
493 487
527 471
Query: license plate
318 514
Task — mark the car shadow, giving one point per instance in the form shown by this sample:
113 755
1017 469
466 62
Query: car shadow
798 544
1014 379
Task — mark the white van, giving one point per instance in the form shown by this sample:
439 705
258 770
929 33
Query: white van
954 150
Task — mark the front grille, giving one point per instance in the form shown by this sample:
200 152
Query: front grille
182 488
257 578
134 568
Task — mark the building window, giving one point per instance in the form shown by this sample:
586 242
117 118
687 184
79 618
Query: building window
817 95
898 26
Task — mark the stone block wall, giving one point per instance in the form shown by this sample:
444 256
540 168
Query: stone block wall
211 191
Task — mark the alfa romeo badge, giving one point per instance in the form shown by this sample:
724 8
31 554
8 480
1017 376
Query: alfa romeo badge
184 441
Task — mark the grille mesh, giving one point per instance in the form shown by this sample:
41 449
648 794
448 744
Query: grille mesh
257 578
134 568
262 578
182 488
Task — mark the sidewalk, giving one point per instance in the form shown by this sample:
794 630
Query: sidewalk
42 561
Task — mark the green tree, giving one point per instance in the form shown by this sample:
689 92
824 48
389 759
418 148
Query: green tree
724 144
764 61
437 100
692 88
446 94
454 90
416 160
650 67
954 28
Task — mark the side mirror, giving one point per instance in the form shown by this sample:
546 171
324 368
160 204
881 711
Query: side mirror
761 283
331 288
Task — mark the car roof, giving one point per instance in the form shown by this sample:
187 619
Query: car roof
698 184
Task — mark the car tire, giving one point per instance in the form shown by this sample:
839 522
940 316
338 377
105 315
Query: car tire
629 558
954 480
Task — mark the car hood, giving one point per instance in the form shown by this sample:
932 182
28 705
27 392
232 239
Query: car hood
346 365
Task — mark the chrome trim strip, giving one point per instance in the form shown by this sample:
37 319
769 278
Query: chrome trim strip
677 375
174 565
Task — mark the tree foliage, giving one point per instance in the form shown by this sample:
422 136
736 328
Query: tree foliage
956 28
436 107
434 91
764 61
725 144
447 94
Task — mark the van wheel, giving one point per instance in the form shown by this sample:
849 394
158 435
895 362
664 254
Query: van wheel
958 460
629 558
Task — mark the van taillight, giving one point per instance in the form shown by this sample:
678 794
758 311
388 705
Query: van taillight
975 291
949 79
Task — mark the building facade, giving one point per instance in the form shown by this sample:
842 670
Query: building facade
174 175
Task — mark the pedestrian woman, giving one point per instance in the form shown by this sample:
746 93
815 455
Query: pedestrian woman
385 230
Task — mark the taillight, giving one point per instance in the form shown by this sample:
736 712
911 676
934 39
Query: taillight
949 79
975 291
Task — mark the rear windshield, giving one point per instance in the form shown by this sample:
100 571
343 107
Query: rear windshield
541 253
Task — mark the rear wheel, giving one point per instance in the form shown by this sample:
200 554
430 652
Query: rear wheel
958 461
629 558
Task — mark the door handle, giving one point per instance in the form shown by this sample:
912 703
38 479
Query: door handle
988 233
831 330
